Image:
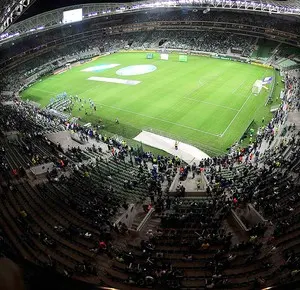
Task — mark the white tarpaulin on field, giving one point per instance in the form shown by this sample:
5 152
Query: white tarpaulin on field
186 152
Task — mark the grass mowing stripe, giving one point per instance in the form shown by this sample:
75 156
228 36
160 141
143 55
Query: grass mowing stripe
236 89
44 91
251 94
208 103
236 115
159 98
159 119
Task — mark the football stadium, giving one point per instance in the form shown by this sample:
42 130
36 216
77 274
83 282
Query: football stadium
203 101
149 144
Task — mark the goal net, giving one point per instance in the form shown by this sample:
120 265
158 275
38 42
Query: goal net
164 56
149 55
183 58
257 87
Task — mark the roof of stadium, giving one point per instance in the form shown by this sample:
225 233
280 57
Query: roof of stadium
14 10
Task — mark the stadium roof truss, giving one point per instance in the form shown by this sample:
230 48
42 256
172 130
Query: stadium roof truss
54 18
11 10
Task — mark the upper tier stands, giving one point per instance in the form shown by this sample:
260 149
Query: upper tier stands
93 27
46 62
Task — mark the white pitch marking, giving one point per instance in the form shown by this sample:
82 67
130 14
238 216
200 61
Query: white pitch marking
221 135
236 89
150 117
159 119
236 115
114 80
45 91
225 107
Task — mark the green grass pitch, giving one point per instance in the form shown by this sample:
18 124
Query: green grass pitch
205 102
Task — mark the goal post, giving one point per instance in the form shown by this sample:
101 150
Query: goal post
164 56
150 55
257 86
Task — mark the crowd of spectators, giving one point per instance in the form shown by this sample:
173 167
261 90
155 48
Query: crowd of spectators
87 35
54 58
287 24
66 222
92 189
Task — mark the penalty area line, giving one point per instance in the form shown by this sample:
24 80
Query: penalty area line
221 135
159 119
236 89
208 103
143 115
236 115
41 90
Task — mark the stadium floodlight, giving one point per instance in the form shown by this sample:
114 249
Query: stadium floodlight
52 18
92 14
4 35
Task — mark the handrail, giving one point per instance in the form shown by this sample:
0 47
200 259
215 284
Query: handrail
238 220
257 213
145 219
120 218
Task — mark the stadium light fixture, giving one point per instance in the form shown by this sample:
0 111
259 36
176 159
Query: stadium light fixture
4 35
262 6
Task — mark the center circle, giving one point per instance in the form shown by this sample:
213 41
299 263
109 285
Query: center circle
134 70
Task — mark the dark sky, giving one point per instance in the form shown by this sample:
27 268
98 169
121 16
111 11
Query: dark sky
41 6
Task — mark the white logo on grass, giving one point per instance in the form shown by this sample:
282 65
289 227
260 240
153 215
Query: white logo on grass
99 68
134 70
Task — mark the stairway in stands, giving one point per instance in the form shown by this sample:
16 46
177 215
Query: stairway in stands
153 223
238 234
137 220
